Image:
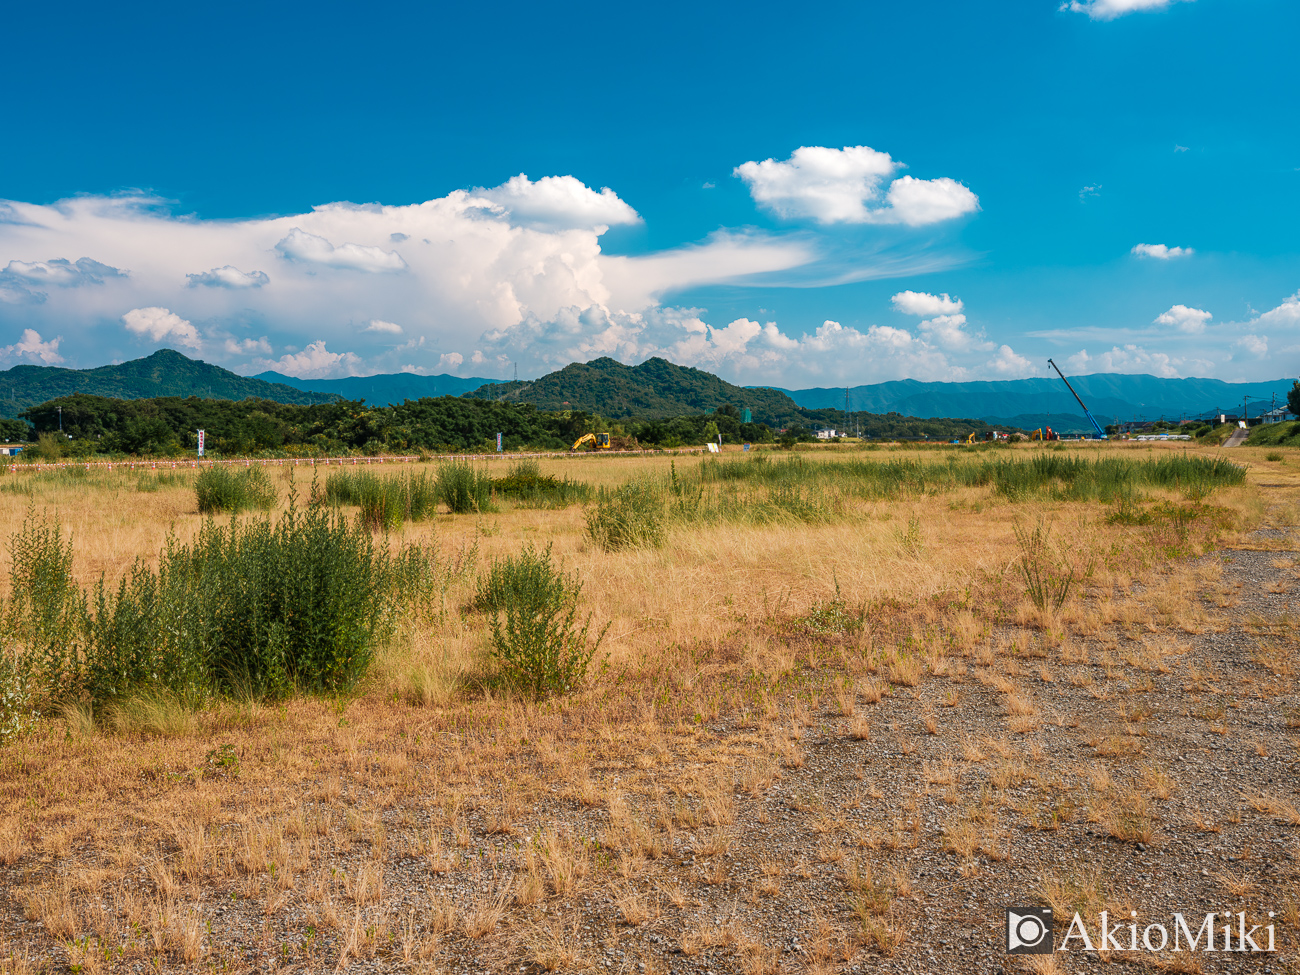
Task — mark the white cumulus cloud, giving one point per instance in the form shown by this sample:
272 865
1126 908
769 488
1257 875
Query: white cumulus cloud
1110 9
31 347
917 202
1286 314
62 273
1009 365
559 202
450 360
925 305
313 362
1160 252
845 186
949 332
310 249
1189 321
1137 359
228 277
161 323
259 346
1256 345
472 274
379 325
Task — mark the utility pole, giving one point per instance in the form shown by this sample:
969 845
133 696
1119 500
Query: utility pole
60 419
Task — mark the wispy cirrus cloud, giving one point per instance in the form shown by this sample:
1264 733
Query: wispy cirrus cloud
1111 9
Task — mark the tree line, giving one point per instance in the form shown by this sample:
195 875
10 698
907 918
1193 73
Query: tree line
168 425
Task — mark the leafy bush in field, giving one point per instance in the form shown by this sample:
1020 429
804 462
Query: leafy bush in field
627 517
528 487
45 604
529 577
536 637
385 502
221 488
464 489
253 608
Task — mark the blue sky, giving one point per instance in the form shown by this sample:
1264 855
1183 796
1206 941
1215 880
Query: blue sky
850 194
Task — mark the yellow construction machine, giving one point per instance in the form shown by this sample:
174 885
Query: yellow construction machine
598 440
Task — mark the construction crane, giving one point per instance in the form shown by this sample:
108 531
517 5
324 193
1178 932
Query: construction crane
598 440
1100 434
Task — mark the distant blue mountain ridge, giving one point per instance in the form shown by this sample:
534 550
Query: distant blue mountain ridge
1022 403
383 390
1030 402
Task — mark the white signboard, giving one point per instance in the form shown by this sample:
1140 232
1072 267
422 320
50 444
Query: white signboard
201 436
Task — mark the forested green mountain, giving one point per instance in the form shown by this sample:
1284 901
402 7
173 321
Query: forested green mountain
654 390
165 373
656 402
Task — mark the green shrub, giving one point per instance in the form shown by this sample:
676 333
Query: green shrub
222 488
385 502
45 604
528 577
527 487
536 638
1273 455
627 517
250 608
463 489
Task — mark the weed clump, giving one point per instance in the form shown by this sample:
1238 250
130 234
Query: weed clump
259 608
386 503
1049 569
627 517
536 637
221 488
463 489
528 487
529 576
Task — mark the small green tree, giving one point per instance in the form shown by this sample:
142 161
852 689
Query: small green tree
1293 398
537 638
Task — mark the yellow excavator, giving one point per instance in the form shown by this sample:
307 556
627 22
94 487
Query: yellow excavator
598 440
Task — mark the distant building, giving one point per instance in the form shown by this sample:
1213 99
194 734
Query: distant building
1279 415
826 435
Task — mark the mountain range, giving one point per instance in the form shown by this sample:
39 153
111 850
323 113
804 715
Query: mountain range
382 390
658 389
1032 402
654 390
165 373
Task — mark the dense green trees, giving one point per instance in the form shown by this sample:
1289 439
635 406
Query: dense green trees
168 426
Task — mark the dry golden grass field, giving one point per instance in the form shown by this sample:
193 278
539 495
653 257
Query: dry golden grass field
840 737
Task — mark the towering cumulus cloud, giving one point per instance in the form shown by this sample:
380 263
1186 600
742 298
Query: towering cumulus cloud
481 278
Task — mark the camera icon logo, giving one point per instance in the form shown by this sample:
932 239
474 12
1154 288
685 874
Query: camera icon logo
1029 931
